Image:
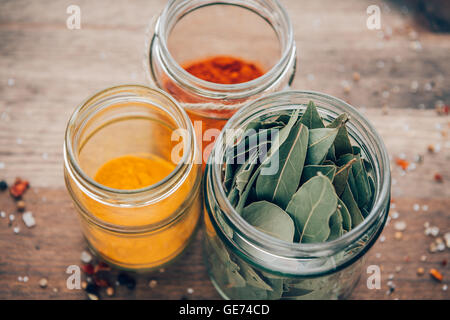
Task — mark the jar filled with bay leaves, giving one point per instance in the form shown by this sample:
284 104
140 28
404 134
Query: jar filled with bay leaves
297 189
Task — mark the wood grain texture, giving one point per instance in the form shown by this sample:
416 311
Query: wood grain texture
46 70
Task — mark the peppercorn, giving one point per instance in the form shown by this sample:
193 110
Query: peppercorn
126 280
21 205
3 185
91 288
110 291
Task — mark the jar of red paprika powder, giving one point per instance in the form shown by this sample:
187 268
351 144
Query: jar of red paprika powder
215 56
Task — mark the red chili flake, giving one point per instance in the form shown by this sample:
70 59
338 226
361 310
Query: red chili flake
444 262
88 269
445 109
18 188
438 177
101 282
101 266
402 163
436 275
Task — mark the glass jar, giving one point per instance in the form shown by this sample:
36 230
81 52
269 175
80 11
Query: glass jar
139 229
188 30
245 263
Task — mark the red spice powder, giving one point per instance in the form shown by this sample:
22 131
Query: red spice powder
224 70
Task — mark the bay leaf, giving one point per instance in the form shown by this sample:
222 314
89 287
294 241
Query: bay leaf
346 217
319 142
277 288
331 155
356 150
352 206
341 177
252 278
271 219
311 117
361 182
312 170
280 186
342 144
311 208
335 223
244 195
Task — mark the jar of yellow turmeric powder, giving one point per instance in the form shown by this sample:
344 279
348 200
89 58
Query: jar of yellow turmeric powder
132 168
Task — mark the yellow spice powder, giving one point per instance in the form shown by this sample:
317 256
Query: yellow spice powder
154 248
132 172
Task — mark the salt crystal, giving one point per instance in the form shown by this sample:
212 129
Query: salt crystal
28 219
398 268
416 45
2 165
414 86
391 277
20 279
378 255
11 82
25 279
382 238
440 247
85 257
423 258
393 204
16 230
447 239
425 207
428 86
12 217
416 207
2 214
395 215
444 287
426 225
190 290
400 226
434 231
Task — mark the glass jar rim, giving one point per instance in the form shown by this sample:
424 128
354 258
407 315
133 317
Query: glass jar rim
207 88
266 241
93 188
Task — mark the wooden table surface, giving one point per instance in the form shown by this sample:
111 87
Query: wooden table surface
46 70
